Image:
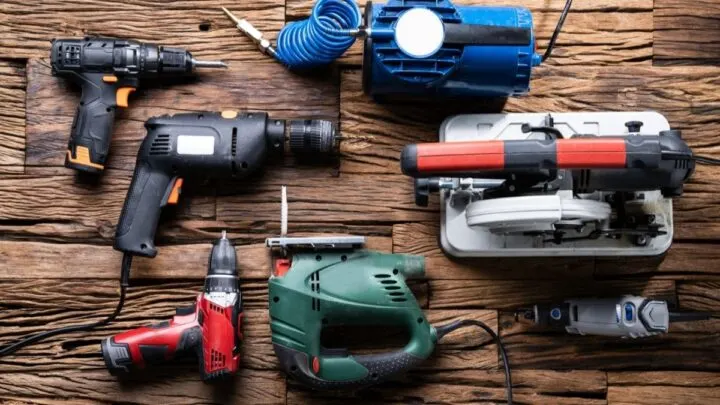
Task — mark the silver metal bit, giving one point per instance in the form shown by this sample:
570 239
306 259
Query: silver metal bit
223 235
213 64
248 29
283 212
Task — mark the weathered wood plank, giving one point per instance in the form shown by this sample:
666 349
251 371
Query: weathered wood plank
513 294
685 260
265 87
98 386
377 133
686 32
12 116
688 346
699 296
422 239
471 387
663 388
35 260
199 25
597 32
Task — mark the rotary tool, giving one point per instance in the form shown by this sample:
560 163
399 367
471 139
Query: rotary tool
538 184
322 282
420 48
194 146
627 316
210 328
108 70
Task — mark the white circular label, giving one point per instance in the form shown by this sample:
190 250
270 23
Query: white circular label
419 32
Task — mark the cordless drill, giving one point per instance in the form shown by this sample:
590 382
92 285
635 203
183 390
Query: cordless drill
210 328
108 70
206 145
626 316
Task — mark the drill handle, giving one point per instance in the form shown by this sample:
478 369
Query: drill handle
150 190
137 348
93 123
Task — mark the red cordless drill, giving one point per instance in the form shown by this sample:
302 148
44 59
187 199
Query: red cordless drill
210 328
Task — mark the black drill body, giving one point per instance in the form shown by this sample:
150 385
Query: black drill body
108 70
207 145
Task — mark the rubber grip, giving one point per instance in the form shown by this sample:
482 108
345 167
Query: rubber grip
381 367
92 126
138 222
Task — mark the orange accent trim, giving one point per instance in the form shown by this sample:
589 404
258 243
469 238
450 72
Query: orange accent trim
121 97
316 365
591 153
229 114
110 79
460 156
175 193
82 154
282 266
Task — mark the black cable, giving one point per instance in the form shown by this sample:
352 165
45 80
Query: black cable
445 329
706 160
558 28
689 316
26 341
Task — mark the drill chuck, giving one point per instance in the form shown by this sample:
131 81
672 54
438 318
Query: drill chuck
312 137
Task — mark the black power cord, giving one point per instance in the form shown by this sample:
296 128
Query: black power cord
445 329
706 160
26 341
558 28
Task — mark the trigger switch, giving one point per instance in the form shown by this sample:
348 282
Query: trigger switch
185 310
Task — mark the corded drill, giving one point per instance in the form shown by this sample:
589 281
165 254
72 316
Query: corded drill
211 328
108 70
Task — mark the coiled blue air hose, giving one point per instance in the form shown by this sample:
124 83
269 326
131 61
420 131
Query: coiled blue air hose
322 38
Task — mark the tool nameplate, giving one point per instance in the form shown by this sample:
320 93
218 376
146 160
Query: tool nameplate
195 145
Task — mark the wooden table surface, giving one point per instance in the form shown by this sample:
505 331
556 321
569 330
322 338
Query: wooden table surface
57 266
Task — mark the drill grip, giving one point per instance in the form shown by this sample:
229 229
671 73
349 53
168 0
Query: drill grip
93 123
149 192
137 348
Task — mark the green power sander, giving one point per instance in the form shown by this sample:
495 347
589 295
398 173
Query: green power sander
332 281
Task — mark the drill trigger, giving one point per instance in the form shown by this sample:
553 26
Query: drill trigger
172 193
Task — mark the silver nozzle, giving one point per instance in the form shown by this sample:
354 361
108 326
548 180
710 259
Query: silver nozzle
248 29
213 64
223 235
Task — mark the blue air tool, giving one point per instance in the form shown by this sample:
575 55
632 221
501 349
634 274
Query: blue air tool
418 47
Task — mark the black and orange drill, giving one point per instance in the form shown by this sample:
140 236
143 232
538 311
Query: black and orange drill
108 70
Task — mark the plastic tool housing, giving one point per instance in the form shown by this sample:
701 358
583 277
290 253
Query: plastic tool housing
345 287
482 51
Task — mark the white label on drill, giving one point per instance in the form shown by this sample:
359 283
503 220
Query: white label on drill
195 145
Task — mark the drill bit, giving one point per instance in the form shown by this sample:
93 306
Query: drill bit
248 29
214 64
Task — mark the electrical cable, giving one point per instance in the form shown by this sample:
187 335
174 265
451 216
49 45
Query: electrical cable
26 341
689 316
558 27
445 329
706 160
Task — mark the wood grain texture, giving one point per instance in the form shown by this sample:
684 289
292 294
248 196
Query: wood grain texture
62 260
663 388
686 33
266 87
596 32
26 28
471 387
12 116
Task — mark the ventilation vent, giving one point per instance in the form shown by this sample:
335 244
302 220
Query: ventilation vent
315 287
682 164
160 145
70 55
217 359
415 70
394 291
583 181
217 308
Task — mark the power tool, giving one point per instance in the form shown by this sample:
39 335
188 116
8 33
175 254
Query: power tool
193 146
210 328
627 316
538 184
322 282
420 48
108 70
